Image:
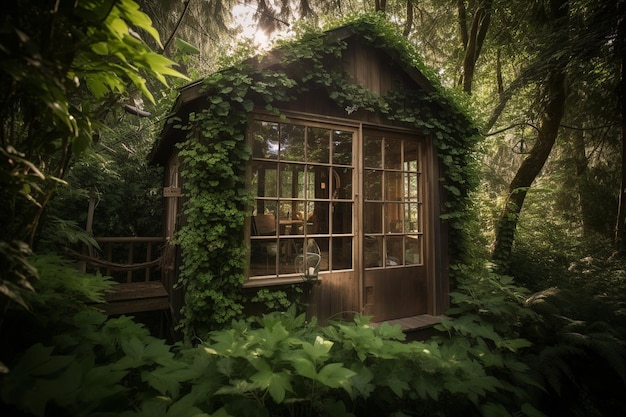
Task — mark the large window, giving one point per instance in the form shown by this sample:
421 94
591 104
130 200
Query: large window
392 211
302 179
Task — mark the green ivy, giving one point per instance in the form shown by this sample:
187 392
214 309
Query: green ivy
215 155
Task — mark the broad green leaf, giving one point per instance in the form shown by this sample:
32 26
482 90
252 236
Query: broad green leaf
304 367
335 375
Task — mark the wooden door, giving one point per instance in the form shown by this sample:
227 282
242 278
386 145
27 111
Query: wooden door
393 264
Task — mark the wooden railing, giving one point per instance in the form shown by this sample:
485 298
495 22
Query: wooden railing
135 263
126 259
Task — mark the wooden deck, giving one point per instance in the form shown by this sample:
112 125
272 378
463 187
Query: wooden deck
415 323
135 297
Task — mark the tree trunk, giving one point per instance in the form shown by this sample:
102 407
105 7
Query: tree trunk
582 182
409 18
475 41
530 169
621 210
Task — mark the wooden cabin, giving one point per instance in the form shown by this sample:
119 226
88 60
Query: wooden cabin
345 198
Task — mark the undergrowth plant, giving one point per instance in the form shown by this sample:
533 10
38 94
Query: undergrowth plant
275 365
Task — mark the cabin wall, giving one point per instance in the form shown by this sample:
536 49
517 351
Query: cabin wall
344 293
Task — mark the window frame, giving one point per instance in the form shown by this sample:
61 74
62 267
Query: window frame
330 201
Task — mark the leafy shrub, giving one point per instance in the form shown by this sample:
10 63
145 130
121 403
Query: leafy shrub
271 366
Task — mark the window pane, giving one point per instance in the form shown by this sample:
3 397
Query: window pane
318 145
342 183
393 155
411 218
342 218
264 140
291 142
263 255
342 148
372 250
265 207
394 218
318 182
393 186
413 250
342 253
318 223
323 244
411 186
411 156
373 217
263 182
289 249
372 154
395 251
291 181
373 185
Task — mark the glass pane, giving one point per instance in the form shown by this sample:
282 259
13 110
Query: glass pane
394 251
342 218
411 156
411 218
264 181
411 186
263 254
342 148
265 207
393 155
324 251
295 219
289 249
394 218
393 186
342 183
318 182
291 181
318 223
413 250
292 218
373 217
373 185
264 140
318 145
372 151
291 142
342 253
372 250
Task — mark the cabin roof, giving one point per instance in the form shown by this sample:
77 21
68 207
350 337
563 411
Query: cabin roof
196 90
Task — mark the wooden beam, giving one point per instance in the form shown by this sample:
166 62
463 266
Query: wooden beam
136 297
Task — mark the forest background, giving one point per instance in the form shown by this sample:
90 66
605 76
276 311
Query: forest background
546 302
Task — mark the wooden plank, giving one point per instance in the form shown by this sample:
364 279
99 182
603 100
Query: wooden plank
136 297
137 290
421 321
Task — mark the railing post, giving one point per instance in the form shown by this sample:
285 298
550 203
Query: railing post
148 259
131 249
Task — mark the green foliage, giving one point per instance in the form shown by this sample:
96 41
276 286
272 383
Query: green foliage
579 352
276 365
215 154
59 65
90 369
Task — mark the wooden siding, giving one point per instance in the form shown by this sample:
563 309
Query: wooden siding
335 296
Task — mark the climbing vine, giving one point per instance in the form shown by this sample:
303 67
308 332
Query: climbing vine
215 154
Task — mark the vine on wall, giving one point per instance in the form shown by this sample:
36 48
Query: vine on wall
215 155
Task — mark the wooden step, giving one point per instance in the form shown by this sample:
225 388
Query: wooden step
136 297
